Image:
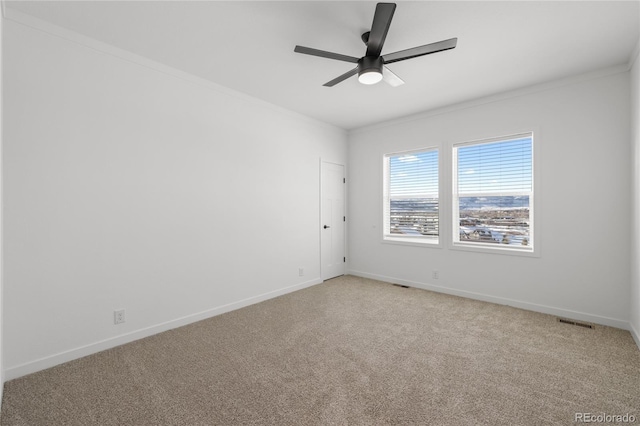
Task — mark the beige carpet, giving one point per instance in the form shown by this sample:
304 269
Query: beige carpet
349 351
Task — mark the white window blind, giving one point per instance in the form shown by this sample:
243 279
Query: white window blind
493 193
411 209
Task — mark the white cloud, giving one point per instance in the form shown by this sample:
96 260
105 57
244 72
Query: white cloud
406 158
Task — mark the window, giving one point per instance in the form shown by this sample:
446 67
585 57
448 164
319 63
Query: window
493 193
411 211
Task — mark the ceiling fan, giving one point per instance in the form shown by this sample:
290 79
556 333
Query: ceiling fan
373 66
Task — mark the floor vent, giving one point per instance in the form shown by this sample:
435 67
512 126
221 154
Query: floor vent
579 324
400 285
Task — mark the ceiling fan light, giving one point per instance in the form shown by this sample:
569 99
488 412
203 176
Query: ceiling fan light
370 69
370 77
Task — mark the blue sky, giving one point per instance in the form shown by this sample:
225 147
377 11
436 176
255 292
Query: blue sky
415 173
497 167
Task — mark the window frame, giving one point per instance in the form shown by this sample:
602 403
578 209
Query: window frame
456 244
420 241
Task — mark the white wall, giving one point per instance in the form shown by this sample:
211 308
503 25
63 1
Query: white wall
582 153
635 247
132 186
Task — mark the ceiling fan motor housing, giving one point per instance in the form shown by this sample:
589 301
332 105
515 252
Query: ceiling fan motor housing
368 64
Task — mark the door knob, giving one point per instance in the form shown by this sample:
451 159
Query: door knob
326 226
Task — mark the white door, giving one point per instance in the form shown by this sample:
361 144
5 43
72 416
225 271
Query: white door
332 220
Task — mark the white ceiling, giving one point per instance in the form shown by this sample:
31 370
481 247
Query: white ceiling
248 46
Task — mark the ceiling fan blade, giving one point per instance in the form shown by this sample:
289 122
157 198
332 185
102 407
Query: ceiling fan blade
343 77
420 51
379 28
325 54
390 78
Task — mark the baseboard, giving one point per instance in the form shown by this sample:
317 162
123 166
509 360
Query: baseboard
70 355
634 334
565 313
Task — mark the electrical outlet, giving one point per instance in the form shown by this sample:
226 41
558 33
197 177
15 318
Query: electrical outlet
118 316
301 272
435 275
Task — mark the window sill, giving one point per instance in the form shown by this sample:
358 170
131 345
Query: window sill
416 242
495 249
